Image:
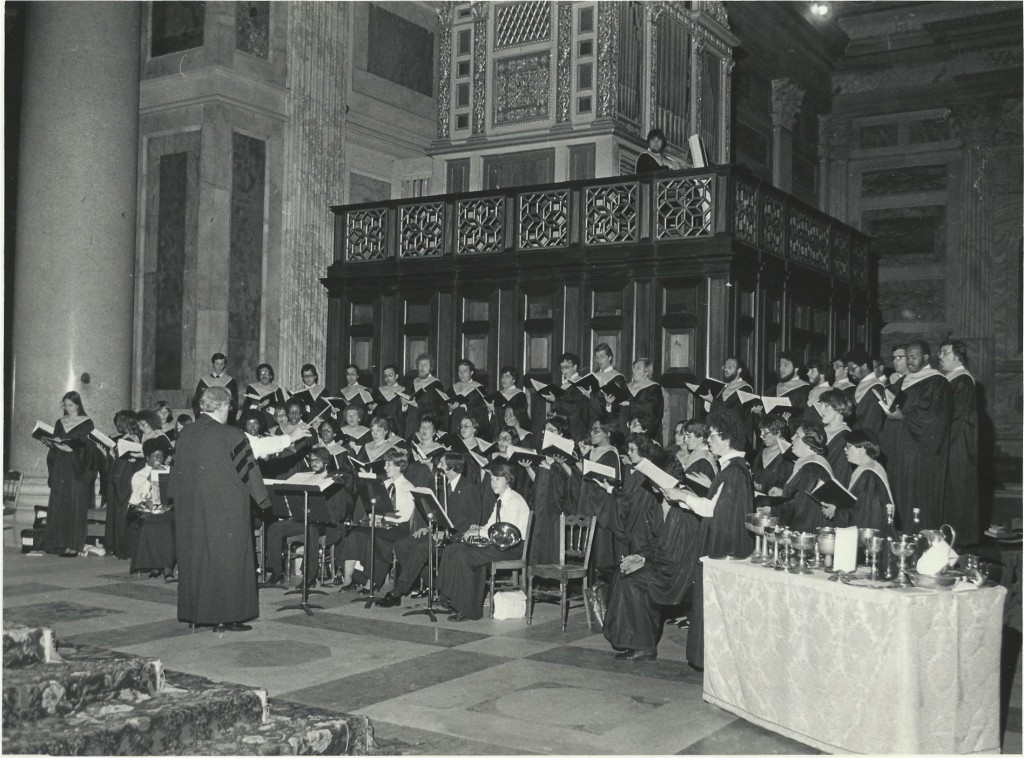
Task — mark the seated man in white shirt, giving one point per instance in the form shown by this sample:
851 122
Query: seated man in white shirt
154 545
461 577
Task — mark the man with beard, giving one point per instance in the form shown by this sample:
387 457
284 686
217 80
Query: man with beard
424 391
868 414
573 405
816 380
919 442
791 386
960 509
735 376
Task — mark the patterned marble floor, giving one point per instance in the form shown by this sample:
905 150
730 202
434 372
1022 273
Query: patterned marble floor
481 687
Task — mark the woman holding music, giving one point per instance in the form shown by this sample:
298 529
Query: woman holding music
71 476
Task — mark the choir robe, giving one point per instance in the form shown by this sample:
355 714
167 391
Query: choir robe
118 536
554 493
575 407
474 469
525 439
212 484
919 444
472 406
594 501
313 399
724 532
356 396
71 477
870 485
867 413
890 432
797 390
960 506
729 399
837 453
257 394
771 468
632 522
388 405
355 435
429 402
519 401
216 381
598 403
648 399
798 510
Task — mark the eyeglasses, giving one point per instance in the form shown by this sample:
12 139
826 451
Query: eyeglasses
714 433
466 426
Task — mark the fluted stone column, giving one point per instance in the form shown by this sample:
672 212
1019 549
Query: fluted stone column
75 249
314 164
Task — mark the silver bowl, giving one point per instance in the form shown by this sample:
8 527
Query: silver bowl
938 582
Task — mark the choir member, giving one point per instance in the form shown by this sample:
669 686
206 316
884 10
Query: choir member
154 545
509 397
71 476
960 507
841 381
288 460
636 510
772 467
312 395
816 380
868 483
150 428
425 442
118 537
602 403
641 424
387 403
723 513
593 500
878 366
353 430
466 398
218 377
574 405
474 449
791 386
425 397
867 413
736 378
834 408
381 440
338 502
654 159
500 452
648 399
461 576
354 393
212 483
554 493
918 445
264 394
690 454
797 509
518 421
356 547
167 421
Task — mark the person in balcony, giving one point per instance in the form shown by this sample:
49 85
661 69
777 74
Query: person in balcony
654 158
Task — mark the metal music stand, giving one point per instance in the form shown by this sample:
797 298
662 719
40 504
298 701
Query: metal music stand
320 515
432 512
373 491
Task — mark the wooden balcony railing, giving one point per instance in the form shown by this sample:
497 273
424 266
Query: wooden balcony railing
680 207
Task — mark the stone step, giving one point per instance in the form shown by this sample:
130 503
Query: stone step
24 646
60 687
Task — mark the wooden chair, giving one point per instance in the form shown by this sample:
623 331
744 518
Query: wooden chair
12 493
574 542
517 566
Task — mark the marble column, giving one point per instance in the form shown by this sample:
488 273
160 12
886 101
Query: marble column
313 179
75 247
786 100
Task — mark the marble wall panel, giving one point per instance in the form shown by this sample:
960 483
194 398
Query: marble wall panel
176 26
914 301
915 234
894 181
168 279
400 51
252 27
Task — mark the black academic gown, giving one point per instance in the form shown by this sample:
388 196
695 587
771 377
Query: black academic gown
71 477
729 399
212 484
118 536
797 396
224 380
428 402
313 401
594 501
872 496
632 522
574 406
649 401
798 510
837 456
918 456
774 473
724 533
553 495
960 506
390 409
867 413
520 403
472 406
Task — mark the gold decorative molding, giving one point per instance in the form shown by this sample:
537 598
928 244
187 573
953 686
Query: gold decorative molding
479 67
607 62
444 15
564 76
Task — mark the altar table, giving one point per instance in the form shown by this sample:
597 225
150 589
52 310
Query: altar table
850 669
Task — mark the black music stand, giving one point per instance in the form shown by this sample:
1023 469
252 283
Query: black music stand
320 514
373 492
432 512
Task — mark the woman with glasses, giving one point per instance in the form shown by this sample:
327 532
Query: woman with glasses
868 483
772 467
466 399
797 509
510 398
554 493
595 501
500 453
647 401
473 449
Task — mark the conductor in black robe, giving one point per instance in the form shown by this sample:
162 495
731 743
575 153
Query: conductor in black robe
212 483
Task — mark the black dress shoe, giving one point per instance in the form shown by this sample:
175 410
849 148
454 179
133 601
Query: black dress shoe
389 601
155 574
625 654
232 627
695 667
458 617
641 655
347 587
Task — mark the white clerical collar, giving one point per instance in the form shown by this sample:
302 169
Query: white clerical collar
959 371
925 373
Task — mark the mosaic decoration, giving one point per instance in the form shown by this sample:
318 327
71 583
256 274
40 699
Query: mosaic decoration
841 254
607 63
421 230
480 225
522 87
684 207
479 67
364 235
564 76
444 83
252 27
772 227
544 219
744 208
611 214
522 23
808 239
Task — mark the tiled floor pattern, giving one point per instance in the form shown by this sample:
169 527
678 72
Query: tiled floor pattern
481 688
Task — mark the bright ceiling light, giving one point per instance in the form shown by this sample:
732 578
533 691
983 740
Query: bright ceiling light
820 9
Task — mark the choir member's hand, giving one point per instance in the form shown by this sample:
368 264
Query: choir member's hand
828 511
775 492
61 446
896 414
758 409
264 504
765 509
490 407
675 494
631 563
786 415
606 486
586 392
702 479
609 400
301 430
421 532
